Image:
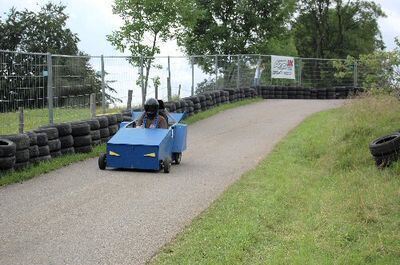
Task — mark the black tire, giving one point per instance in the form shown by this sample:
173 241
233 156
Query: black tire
44 158
52 132
112 120
119 117
42 139
83 149
386 160
80 129
103 121
33 151
21 141
44 150
96 142
67 141
95 135
104 133
54 145
21 166
64 129
22 156
94 124
177 157
113 129
385 145
7 163
167 165
32 138
7 148
34 160
82 140
102 161
67 151
55 154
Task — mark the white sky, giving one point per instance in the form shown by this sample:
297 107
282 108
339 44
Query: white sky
93 20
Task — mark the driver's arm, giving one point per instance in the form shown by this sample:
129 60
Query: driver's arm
162 123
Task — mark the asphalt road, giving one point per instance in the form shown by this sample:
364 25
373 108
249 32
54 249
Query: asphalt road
81 215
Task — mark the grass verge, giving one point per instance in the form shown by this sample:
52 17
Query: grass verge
60 162
316 199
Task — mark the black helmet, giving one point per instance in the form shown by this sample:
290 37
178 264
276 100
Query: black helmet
151 107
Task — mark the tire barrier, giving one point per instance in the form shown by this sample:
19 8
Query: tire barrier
298 92
33 148
82 137
66 138
7 154
22 144
386 149
95 131
53 142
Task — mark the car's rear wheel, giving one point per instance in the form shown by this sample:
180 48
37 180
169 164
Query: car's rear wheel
102 161
167 165
177 157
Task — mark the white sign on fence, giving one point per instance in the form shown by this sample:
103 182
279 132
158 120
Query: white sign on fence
282 67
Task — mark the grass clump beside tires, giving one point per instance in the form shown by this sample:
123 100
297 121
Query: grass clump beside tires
318 198
45 167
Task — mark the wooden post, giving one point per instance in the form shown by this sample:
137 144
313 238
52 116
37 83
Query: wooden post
129 103
93 105
179 91
21 119
169 80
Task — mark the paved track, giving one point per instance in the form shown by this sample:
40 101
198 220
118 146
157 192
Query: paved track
81 215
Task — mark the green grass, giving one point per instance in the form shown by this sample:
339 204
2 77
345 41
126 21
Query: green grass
316 199
60 162
38 117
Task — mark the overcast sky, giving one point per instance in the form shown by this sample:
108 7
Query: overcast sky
92 20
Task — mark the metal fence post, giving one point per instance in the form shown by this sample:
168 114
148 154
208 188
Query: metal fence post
21 119
169 80
238 73
192 62
142 81
103 86
50 88
355 81
216 72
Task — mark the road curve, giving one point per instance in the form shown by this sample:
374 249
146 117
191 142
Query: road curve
81 215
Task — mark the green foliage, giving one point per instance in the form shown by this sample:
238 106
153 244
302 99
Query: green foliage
318 198
44 31
325 30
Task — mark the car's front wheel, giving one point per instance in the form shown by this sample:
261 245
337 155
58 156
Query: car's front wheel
102 161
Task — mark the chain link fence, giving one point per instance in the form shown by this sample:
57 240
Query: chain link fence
57 88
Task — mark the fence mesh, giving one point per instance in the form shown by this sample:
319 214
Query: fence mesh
24 79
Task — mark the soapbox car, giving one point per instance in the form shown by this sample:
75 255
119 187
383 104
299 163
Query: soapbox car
146 149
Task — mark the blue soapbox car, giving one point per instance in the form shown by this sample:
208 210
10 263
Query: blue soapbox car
146 149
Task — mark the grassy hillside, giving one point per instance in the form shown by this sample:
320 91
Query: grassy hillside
316 199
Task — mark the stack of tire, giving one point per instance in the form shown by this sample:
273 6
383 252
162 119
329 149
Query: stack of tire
321 93
203 101
44 150
127 115
209 100
313 93
386 149
8 150
232 94
66 138
22 143
196 104
170 106
82 138
104 131
112 124
190 107
94 126
225 96
248 93
33 148
53 140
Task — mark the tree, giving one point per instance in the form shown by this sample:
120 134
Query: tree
332 29
146 24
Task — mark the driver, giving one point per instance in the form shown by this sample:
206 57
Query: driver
151 117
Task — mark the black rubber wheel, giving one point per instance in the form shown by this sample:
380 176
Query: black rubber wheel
95 134
64 129
94 124
385 145
167 165
32 138
177 157
104 133
67 151
67 141
33 151
43 158
112 119
52 132
386 160
44 150
7 148
83 149
7 163
55 154
82 140
103 121
54 145
21 141
80 129
22 156
42 139
102 161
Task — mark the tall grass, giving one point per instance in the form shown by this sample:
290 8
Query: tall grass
316 199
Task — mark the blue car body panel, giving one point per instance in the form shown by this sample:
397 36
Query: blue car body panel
138 148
